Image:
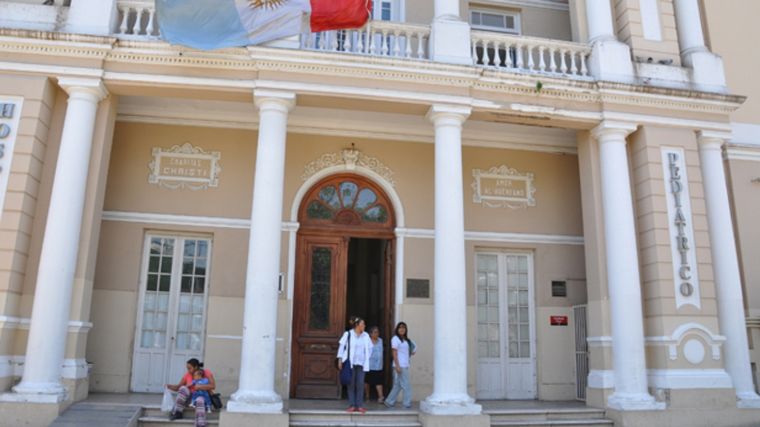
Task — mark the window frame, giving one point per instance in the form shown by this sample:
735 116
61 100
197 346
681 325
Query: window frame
516 15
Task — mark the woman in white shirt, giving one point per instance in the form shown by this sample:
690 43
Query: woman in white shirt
356 344
402 348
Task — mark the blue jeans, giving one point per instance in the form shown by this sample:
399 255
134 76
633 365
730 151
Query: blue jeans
400 382
356 387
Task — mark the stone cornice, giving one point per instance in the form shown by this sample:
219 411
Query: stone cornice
356 69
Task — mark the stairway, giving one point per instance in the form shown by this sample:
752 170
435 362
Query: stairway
338 418
548 417
86 414
153 417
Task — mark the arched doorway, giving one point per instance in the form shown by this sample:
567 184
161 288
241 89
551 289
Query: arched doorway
343 267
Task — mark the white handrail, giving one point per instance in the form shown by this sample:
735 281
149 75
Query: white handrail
530 54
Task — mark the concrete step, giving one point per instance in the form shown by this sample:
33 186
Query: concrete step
552 414
164 422
553 423
372 418
155 411
86 414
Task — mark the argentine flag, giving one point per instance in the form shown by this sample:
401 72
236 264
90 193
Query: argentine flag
214 24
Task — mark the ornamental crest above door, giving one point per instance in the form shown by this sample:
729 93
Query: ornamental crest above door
350 159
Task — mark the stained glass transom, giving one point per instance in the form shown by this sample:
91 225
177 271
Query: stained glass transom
346 198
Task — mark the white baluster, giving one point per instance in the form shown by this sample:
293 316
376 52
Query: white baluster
139 12
519 49
541 61
372 44
124 19
151 29
385 43
334 35
552 60
529 51
323 40
396 47
407 45
360 41
584 70
562 61
573 67
499 56
420 45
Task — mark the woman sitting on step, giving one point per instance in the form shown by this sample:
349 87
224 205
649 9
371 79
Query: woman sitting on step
185 390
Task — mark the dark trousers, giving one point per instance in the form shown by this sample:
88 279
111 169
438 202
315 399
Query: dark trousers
356 387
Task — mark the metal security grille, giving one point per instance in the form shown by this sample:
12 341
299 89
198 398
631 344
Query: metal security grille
581 352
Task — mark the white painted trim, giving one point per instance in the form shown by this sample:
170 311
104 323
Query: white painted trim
72 369
688 378
184 220
680 332
650 19
602 341
412 233
668 379
225 337
539 4
488 236
390 191
22 323
601 378
742 152
747 134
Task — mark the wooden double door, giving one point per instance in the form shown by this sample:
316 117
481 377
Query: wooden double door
337 276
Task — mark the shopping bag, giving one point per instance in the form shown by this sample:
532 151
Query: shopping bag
345 373
167 404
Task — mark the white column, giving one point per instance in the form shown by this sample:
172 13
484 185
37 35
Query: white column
689 25
449 286
257 365
449 35
46 344
446 9
728 286
623 282
610 59
599 21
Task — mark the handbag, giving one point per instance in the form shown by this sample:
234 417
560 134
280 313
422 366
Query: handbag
345 372
216 401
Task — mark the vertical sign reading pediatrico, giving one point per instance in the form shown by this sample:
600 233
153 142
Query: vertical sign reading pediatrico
10 114
683 249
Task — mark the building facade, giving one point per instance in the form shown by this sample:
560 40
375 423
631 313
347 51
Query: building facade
557 197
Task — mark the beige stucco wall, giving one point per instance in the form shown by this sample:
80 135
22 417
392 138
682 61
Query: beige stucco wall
628 23
722 19
110 345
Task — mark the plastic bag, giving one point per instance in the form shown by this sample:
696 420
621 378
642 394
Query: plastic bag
167 404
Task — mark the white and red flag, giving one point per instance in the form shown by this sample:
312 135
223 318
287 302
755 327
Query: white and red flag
213 24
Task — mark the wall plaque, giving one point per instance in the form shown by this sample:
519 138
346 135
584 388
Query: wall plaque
558 320
502 186
10 114
184 166
683 249
417 288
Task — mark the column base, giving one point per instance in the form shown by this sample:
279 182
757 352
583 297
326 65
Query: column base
19 413
450 42
634 402
235 419
255 402
707 71
610 60
35 393
748 400
450 405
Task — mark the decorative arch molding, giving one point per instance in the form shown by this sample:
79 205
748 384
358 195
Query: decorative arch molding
681 332
349 161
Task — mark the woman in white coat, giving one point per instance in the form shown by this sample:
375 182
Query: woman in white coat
356 343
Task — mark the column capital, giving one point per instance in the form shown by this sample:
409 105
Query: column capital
611 127
273 98
76 86
712 137
458 113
